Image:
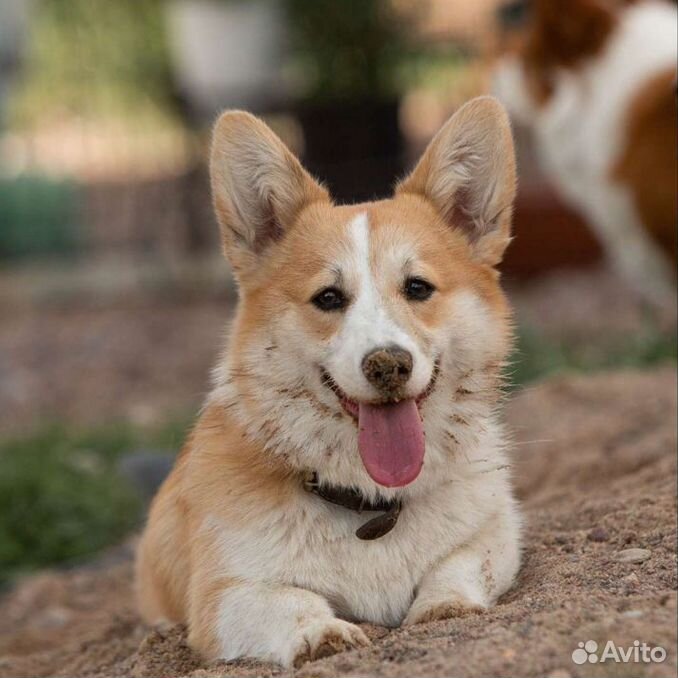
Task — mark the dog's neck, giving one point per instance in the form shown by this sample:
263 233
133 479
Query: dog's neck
352 499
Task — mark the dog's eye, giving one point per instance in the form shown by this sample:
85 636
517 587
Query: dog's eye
330 299
418 289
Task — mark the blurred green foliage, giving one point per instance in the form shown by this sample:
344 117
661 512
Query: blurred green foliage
536 357
39 216
348 50
94 59
61 498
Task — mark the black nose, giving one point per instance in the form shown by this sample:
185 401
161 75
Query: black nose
388 369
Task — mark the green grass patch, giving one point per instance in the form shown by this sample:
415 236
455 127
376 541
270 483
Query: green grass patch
61 497
536 357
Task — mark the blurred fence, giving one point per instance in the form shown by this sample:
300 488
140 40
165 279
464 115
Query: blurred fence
107 109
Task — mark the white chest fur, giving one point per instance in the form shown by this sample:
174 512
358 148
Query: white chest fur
312 544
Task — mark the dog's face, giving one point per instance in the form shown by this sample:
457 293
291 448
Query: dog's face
542 42
358 322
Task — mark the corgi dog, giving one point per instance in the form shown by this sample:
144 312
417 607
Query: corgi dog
349 464
596 82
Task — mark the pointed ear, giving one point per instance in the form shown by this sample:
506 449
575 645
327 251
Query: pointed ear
468 172
258 187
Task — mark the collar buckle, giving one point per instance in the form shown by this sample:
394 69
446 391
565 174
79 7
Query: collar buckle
352 499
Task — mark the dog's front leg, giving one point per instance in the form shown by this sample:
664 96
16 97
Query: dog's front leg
234 618
472 577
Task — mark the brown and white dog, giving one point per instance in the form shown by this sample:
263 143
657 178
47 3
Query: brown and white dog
362 372
596 81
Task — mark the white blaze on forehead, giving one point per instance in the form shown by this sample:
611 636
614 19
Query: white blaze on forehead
368 324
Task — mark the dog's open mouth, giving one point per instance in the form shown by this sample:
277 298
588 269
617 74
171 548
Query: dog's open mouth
390 434
353 406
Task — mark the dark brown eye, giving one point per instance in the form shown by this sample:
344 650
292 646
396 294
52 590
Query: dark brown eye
330 299
418 289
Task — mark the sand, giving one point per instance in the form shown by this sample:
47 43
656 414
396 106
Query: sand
595 466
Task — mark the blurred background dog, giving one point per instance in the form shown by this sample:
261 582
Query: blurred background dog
596 83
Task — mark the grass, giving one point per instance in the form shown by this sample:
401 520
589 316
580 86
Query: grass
62 499
536 357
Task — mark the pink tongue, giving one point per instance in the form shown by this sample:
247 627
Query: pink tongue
391 442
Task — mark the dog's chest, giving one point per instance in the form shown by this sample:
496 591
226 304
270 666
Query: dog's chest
313 546
364 580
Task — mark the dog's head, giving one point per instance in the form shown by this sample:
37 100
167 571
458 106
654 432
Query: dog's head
541 42
356 323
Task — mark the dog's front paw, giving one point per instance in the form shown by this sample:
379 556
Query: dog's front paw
326 637
428 611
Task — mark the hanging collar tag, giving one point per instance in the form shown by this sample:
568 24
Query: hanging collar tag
352 499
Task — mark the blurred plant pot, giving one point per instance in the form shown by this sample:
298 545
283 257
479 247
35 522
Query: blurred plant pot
227 53
355 147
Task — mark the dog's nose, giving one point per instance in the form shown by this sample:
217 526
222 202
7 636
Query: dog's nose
388 369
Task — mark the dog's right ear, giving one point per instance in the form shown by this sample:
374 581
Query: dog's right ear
258 187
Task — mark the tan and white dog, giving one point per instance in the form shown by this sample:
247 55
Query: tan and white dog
364 364
596 82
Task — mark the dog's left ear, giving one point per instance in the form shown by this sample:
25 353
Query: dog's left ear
468 172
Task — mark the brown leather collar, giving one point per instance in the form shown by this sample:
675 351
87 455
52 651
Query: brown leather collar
351 498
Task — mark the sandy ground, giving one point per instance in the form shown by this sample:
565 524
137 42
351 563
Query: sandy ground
596 468
141 362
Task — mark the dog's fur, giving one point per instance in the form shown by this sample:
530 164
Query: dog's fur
596 81
234 546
